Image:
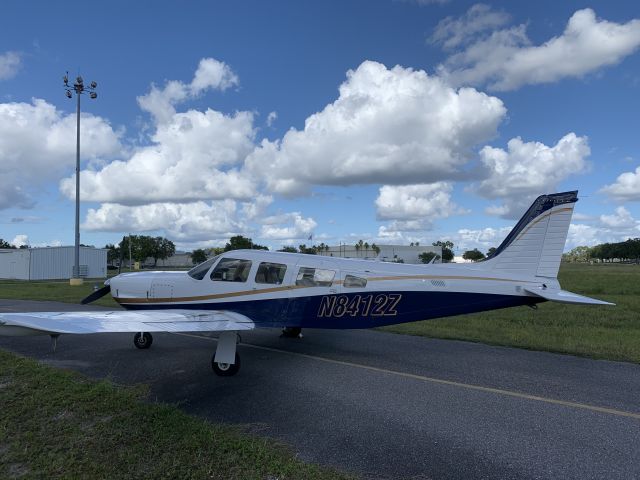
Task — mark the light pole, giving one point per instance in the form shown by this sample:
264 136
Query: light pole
79 88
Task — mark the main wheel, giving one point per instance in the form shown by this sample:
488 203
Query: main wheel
143 340
225 369
291 332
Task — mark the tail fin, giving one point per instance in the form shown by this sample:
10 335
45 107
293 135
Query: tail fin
534 247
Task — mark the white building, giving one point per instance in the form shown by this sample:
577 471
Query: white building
51 263
388 253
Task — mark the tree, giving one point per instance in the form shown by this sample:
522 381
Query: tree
198 256
288 249
473 255
308 250
426 257
4 244
375 248
113 254
447 249
161 248
242 243
491 251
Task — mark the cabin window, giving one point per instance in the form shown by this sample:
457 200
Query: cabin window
272 273
199 271
314 277
231 270
351 281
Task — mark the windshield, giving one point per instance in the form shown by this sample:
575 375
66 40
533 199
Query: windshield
199 271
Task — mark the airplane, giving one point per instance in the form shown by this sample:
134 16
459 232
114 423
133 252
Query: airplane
245 289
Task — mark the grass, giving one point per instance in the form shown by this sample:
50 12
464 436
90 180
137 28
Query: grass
58 424
52 290
598 332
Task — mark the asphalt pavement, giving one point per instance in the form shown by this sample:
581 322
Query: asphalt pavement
383 405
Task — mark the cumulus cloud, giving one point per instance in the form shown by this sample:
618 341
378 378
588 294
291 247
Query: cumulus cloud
10 63
452 32
528 169
195 156
38 142
389 126
20 240
507 60
414 207
210 74
625 188
181 221
287 226
272 117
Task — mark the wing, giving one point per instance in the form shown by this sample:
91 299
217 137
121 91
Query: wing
564 296
46 323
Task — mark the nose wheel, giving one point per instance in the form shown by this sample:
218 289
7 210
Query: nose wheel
142 340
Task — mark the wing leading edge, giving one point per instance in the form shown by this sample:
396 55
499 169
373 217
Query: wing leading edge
47 323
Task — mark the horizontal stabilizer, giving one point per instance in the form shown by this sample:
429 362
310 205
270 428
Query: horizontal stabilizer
563 296
43 323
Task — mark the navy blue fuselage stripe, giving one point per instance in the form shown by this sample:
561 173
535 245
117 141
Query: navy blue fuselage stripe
321 311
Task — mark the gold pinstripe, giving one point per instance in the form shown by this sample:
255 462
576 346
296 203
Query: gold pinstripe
242 293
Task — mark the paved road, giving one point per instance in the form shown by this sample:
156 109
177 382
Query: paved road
388 406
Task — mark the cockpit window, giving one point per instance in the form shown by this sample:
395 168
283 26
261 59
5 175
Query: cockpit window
271 273
199 271
314 277
231 270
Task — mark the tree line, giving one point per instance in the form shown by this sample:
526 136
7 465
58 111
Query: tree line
627 251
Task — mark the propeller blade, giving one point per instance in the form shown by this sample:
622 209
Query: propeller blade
96 295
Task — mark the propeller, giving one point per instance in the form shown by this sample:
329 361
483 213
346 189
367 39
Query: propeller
96 295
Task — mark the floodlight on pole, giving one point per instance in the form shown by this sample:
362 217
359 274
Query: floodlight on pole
79 89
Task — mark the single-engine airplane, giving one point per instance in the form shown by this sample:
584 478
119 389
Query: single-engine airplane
246 289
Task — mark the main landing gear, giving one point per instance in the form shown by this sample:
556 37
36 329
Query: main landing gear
225 361
142 340
291 332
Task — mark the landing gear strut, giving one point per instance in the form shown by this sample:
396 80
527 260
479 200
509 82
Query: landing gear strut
291 332
142 340
226 361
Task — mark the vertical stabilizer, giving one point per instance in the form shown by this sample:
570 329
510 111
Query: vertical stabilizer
535 245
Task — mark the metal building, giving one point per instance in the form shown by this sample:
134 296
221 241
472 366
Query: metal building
51 263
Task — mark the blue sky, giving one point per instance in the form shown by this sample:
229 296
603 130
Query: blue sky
387 121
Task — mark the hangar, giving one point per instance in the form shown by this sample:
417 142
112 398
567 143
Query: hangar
51 263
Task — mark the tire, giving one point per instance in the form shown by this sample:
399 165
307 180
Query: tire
142 341
291 332
225 369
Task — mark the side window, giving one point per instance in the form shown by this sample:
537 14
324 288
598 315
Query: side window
314 277
270 273
231 270
351 281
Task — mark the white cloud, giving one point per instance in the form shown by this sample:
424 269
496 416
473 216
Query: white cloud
625 188
10 63
38 142
295 226
20 240
193 157
621 219
415 205
452 32
506 60
272 117
389 126
196 221
529 169
210 74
